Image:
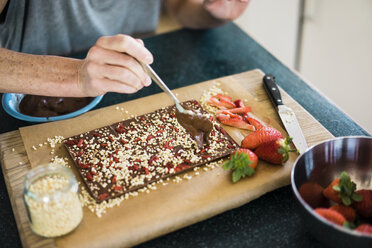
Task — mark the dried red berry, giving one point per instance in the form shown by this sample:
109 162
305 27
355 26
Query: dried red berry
103 196
80 144
80 153
70 142
119 130
118 188
84 166
96 134
89 177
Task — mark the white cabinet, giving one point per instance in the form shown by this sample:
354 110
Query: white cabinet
273 23
336 48
337 54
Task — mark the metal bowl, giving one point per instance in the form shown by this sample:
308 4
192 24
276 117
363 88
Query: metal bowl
323 163
11 102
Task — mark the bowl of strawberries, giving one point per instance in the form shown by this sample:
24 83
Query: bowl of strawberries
332 182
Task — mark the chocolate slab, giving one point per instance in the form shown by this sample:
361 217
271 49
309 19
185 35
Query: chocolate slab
128 155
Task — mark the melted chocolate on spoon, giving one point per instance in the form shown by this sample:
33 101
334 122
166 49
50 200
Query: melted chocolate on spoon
198 125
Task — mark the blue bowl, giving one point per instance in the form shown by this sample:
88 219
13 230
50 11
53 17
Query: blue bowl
11 102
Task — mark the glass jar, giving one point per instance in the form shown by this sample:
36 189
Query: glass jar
52 201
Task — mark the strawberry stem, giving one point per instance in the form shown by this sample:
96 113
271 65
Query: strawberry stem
240 164
346 190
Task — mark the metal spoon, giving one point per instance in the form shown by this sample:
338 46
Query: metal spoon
147 68
198 125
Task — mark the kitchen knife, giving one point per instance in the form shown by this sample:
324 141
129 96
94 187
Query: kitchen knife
286 114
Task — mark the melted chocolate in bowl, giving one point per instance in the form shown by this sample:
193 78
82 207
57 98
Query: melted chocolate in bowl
45 106
198 125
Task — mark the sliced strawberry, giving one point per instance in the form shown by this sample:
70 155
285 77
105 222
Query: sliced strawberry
364 228
234 121
253 121
331 215
239 103
275 151
342 190
243 110
346 211
364 207
243 163
262 135
312 194
221 101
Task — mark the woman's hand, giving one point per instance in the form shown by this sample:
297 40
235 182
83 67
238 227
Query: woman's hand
112 65
225 9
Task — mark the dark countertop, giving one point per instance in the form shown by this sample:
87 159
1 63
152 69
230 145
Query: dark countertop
186 57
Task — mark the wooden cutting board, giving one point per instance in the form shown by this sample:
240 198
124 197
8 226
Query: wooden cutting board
120 226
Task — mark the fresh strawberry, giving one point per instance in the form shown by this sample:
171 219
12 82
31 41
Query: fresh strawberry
262 135
275 151
346 211
243 163
364 207
364 228
234 120
342 190
312 194
332 194
221 101
331 215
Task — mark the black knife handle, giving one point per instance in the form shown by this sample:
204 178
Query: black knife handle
272 90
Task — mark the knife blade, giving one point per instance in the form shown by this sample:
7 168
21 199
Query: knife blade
286 114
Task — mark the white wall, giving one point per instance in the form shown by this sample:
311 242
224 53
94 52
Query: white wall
337 54
273 23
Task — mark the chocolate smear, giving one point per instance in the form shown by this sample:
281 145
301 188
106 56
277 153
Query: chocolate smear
198 125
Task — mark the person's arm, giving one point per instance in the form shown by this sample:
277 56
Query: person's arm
110 66
205 13
2 5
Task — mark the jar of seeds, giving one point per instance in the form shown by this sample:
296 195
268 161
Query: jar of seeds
51 197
